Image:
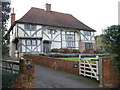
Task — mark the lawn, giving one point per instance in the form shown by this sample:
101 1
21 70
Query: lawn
71 58
77 59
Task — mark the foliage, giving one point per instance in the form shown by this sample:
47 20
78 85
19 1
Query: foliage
64 50
5 16
112 42
90 51
5 49
8 79
100 44
63 55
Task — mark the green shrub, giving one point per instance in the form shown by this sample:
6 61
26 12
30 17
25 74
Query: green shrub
8 79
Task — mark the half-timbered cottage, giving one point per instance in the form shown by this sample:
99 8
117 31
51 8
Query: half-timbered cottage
39 31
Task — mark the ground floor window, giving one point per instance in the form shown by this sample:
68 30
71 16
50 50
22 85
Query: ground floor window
88 46
31 42
70 41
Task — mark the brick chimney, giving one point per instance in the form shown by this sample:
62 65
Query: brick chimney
48 7
12 17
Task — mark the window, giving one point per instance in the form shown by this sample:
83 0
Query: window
27 26
88 46
30 27
88 33
33 27
31 42
51 31
70 41
28 42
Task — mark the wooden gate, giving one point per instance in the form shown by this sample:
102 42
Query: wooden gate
10 66
89 67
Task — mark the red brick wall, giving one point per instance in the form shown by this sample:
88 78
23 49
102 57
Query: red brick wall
94 46
82 46
26 77
59 64
110 74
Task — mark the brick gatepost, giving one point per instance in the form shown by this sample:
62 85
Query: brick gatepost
26 79
110 74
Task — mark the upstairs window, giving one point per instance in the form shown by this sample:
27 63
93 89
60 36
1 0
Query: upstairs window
27 26
30 27
33 27
51 31
87 33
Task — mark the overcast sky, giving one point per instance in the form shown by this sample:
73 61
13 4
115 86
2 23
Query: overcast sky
97 14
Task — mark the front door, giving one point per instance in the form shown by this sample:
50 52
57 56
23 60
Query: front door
46 47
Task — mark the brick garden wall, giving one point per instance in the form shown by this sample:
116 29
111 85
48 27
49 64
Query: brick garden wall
58 64
26 77
110 74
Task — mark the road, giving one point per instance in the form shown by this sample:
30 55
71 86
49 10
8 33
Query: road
49 78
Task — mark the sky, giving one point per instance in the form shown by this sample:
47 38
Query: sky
97 14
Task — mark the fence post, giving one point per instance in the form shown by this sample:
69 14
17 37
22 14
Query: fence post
79 63
101 72
97 67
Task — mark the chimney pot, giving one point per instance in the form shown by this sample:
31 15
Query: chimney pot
48 7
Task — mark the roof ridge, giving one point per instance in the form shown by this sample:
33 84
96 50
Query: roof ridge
50 11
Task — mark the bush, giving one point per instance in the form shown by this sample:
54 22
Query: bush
63 55
111 40
64 50
91 51
8 79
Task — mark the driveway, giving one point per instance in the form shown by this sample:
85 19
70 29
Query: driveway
49 78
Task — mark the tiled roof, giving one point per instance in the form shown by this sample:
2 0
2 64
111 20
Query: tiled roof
52 18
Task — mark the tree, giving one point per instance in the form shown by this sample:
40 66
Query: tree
5 16
112 43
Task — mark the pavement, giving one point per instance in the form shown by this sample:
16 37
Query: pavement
49 78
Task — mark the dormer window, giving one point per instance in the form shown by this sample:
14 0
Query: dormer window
30 27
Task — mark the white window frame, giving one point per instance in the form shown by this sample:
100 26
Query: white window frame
70 40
